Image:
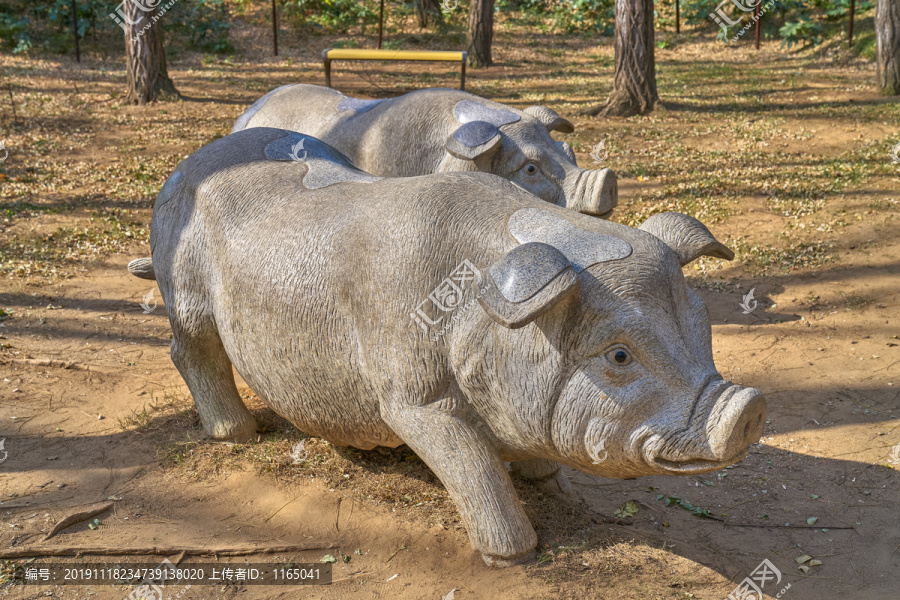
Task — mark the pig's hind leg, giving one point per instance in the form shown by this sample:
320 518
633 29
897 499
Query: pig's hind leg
545 473
203 363
464 461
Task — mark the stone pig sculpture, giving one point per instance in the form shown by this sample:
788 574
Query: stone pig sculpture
455 312
439 130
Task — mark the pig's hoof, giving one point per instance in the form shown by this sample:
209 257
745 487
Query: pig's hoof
509 561
243 431
558 484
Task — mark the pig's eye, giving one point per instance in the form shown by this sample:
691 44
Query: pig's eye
531 169
619 356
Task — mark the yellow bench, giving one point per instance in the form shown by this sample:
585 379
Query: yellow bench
330 54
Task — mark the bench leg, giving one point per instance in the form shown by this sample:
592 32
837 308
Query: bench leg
327 72
462 79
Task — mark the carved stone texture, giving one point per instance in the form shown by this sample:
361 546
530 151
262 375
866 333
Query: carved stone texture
326 301
441 130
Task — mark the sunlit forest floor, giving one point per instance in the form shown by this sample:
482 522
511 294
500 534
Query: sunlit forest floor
785 155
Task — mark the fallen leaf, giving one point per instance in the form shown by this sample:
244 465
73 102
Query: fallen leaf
626 511
328 559
802 559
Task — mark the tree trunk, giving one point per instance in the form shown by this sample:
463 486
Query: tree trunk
421 13
887 46
634 88
481 33
147 77
426 7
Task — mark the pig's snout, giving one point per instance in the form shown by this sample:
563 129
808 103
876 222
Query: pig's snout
740 424
717 436
594 192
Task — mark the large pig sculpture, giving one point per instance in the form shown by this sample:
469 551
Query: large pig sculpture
440 130
453 312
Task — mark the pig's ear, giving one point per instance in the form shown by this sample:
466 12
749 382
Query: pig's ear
567 150
550 118
686 236
474 140
529 280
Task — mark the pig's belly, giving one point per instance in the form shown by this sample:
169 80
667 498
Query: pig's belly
316 393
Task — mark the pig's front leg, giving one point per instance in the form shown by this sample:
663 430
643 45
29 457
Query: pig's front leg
464 461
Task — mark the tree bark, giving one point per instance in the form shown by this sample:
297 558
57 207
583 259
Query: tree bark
634 87
146 74
481 33
424 8
421 13
887 46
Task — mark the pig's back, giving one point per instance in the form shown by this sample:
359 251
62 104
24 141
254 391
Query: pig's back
303 108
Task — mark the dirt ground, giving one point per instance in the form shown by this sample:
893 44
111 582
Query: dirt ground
784 155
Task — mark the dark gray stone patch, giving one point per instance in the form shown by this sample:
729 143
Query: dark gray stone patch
326 165
526 270
582 248
475 133
467 111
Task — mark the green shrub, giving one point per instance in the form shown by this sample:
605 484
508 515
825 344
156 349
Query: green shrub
14 32
332 15
585 15
793 21
202 25
195 24
803 30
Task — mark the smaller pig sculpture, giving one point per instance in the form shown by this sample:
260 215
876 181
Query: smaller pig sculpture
439 130
453 312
